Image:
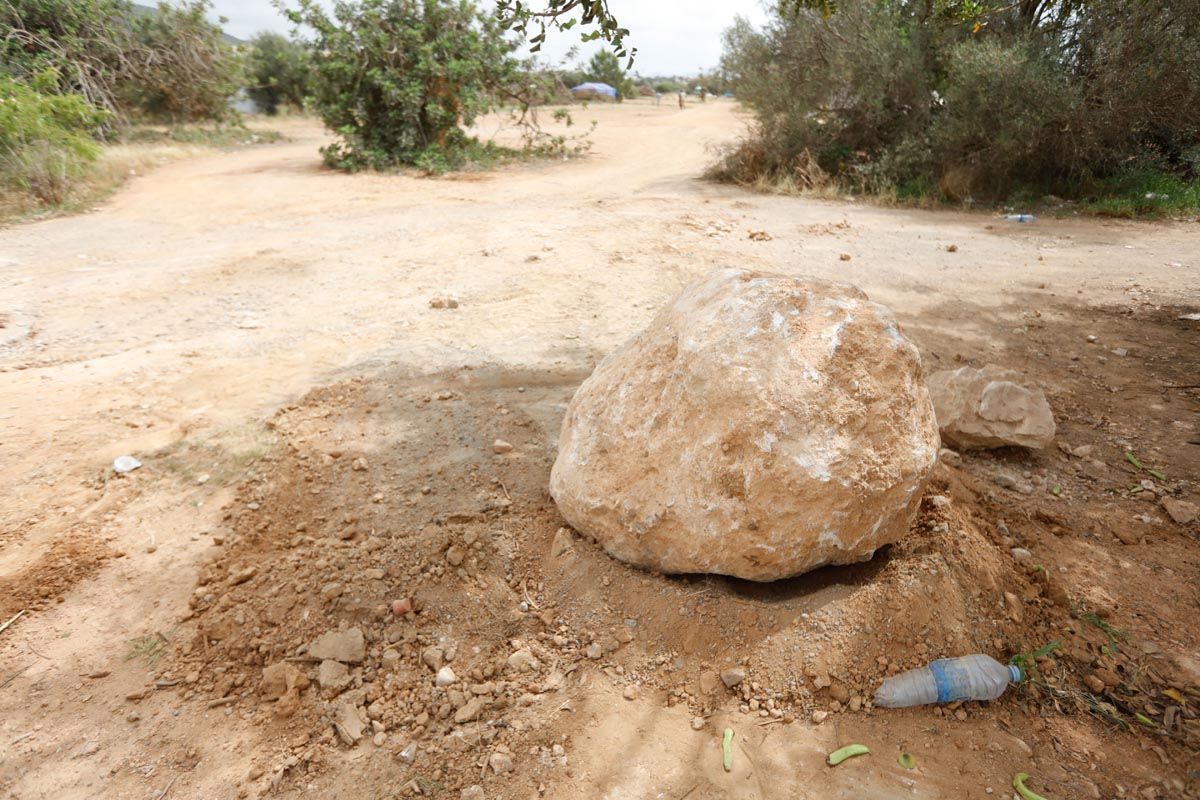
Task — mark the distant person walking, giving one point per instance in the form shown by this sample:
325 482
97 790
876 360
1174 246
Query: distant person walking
658 98
681 98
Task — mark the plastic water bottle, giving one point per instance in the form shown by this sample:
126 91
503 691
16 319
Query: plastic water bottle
1021 218
946 680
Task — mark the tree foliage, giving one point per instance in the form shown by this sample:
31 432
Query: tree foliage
278 70
45 137
169 63
593 17
397 79
974 98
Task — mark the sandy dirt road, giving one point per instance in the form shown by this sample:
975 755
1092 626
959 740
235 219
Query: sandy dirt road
171 321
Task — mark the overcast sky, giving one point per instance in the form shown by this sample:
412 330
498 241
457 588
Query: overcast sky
671 36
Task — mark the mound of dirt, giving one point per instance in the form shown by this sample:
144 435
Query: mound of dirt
391 515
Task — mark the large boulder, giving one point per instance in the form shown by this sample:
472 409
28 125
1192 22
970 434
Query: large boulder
989 407
761 426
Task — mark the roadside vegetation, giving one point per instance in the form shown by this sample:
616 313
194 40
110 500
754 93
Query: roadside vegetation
1091 101
83 82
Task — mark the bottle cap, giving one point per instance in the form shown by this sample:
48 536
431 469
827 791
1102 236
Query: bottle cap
1015 672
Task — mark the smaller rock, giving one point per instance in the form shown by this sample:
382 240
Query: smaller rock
500 762
1094 683
1016 610
844 257
951 248
856 703
433 657
409 754
1181 511
819 716
1021 554
279 679
348 724
379 739
562 543
697 723
733 676
445 677
501 446
989 407
1084 451
470 710
474 792
630 692
390 659
840 693
402 606
347 646
522 660
594 651
332 674
455 555
359 465
951 457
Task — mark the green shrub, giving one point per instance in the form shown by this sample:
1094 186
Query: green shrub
1009 118
980 100
397 80
278 70
46 140
167 62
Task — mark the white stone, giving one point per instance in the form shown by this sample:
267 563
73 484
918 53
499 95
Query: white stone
761 426
988 407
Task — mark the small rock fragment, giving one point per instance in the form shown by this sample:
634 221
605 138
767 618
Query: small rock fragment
500 762
470 710
819 716
501 446
733 676
1094 683
433 657
348 724
402 606
697 723
1181 511
1016 610
989 407
522 660
445 677
630 692
332 674
347 646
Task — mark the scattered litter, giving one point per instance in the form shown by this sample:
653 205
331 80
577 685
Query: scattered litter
1193 317
1019 784
849 751
907 760
1021 218
727 750
123 464
15 617
976 677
